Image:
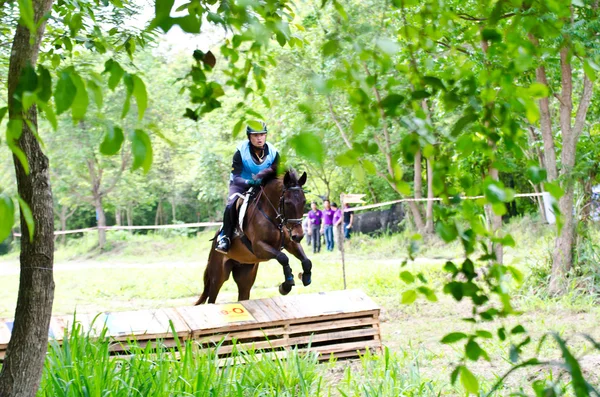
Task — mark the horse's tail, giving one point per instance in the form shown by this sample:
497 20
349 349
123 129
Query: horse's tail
206 290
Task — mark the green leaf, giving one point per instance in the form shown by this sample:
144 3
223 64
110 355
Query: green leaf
519 329
81 101
44 89
490 34
434 82
27 15
453 337
338 7
554 189
307 145
429 294
238 127
409 297
49 114
447 232
26 213
96 93
140 95
3 112
469 381
538 90
359 173
578 381
64 93
407 277
346 159
473 350
116 72
462 123
369 167
142 150
390 47
484 334
330 47
536 174
113 139
7 216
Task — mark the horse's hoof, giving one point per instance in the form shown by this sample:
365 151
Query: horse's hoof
306 280
285 288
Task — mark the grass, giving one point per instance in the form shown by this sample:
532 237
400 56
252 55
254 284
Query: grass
155 270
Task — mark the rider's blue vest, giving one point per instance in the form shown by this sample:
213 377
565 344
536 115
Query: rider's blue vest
250 168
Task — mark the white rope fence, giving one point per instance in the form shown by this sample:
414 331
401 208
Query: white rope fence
213 224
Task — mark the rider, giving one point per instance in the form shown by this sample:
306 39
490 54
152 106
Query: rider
253 161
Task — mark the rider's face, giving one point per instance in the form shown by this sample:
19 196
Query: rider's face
258 140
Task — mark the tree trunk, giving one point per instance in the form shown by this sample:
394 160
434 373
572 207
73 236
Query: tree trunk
418 178
158 213
129 215
118 216
63 224
562 259
101 222
496 222
23 363
429 212
173 210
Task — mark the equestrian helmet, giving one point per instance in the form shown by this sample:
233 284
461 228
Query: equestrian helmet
263 130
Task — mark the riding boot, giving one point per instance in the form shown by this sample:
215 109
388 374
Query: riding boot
224 239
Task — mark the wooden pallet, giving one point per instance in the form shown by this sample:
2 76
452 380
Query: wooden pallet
340 323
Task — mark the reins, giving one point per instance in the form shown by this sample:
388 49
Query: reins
280 220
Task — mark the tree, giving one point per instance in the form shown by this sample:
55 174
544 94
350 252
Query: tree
26 351
29 90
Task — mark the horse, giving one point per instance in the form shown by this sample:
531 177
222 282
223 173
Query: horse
273 222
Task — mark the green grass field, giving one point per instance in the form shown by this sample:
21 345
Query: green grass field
151 271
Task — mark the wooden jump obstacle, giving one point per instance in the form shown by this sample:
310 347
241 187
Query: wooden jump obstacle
340 323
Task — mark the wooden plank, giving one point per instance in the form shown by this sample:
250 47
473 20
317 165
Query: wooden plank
346 347
302 340
181 328
256 311
332 324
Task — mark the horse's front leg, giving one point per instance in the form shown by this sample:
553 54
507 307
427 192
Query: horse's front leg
263 250
297 250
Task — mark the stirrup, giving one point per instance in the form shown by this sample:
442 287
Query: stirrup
223 245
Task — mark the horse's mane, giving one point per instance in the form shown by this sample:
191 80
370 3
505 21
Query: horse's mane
278 178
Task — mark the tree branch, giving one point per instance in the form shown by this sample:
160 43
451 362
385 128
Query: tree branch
468 17
584 104
386 135
338 124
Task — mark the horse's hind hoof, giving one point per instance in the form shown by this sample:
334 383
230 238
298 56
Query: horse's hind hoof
305 277
285 288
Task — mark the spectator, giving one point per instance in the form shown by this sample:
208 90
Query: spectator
337 225
315 217
328 225
307 229
348 219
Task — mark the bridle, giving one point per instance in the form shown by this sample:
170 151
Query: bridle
281 220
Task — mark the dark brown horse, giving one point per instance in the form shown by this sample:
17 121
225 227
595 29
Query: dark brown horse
273 222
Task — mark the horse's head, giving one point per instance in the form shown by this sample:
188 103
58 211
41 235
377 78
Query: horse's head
293 202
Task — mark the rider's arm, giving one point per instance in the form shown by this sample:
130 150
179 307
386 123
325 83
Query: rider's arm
236 170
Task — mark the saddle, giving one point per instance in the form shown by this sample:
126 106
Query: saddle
241 206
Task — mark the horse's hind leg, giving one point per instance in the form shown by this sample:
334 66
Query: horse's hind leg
244 276
218 278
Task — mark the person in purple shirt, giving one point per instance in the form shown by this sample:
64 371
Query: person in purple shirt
328 224
315 217
337 225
